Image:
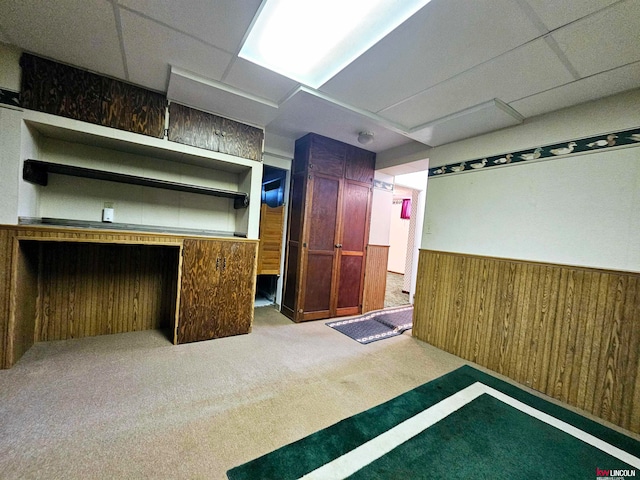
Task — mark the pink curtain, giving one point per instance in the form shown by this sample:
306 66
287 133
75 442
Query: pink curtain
406 209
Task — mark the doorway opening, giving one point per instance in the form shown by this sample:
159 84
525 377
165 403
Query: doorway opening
397 222
272 214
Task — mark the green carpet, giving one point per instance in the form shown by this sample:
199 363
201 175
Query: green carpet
474 434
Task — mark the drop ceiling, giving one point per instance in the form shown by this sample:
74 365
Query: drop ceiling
457 68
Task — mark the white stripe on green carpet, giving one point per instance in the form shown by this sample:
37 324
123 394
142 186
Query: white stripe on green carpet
379 446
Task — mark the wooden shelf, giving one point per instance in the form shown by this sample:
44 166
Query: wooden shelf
37 171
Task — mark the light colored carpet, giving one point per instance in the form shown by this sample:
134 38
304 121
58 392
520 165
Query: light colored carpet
134 406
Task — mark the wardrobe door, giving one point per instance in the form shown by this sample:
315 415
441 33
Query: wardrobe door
319 250
353 242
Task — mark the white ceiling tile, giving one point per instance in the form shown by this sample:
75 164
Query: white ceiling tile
483 118
259 81
151 49
305 112
604 40
218 98
560 12
222 23
443 39
585 90
78 32
452 55
529 69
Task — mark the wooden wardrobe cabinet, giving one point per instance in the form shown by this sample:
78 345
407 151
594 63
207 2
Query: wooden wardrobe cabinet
330 209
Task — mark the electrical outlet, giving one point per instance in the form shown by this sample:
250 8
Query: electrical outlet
107 215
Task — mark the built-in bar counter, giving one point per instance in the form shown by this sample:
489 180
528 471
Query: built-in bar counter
60 282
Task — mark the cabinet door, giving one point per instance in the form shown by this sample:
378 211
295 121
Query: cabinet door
353 242
58 89
327 156
216 294
360 165
319 250
236 289
201 268
131 108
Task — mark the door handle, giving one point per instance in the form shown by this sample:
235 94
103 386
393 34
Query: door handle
338 245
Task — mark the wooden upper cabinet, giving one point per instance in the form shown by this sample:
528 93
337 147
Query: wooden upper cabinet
360 165
59 89
206 130
327 156
317 154
131 108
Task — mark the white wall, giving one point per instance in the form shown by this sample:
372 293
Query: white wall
27 192
576 210
9 159
381 202
399 233
83 199
10 144
9 67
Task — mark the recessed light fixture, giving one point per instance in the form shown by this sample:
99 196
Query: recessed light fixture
312 40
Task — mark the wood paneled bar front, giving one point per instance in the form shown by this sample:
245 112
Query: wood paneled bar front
59 283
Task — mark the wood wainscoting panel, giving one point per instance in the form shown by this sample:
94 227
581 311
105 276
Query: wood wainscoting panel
375 277
26 307
572 333
98 289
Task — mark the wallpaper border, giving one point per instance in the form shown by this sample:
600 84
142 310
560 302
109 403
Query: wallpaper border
596 143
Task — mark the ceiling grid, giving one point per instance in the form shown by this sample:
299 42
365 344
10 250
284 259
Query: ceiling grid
453 63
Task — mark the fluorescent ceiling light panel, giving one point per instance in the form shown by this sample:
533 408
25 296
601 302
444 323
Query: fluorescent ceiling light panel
312 40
